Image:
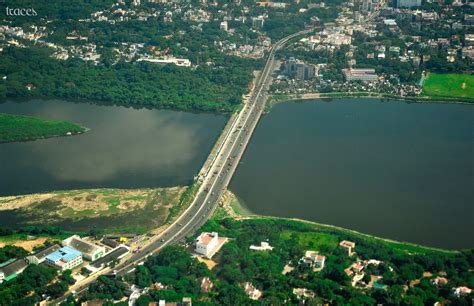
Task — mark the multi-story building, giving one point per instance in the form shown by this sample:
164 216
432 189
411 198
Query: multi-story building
366 6
65 258
408 3
366 75
257 22
299 70
313 260
206 243
224 26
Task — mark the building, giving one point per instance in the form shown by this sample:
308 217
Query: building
408 3
111 256
366 5
467 52
252 292
40 256
10 269
187 301
462 291
469 40
183 62
272 4
206 285
349 245
469 19
314 21
313 260
89 251
65 258
299 70
224 26
208 244
110 242
257 22
390 23
264 246
354 74
439 281
303 293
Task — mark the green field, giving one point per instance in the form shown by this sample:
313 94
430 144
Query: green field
23 128
449 86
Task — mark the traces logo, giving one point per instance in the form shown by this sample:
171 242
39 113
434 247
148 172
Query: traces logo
24 12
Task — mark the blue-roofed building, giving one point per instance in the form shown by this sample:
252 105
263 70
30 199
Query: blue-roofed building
64 259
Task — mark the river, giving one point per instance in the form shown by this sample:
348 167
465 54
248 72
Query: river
392 169
125 148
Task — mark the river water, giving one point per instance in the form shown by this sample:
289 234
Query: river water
392 169
125 148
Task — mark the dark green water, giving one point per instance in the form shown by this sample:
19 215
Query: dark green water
392 169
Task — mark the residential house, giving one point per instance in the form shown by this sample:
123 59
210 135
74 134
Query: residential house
439 281
264 246
206 243
462 291
206 285
303 293
252 292
313 259
349 245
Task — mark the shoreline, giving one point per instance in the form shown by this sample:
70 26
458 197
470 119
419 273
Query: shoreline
234 206
277 99
48 137
14 121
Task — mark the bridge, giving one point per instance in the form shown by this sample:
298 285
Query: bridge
213 179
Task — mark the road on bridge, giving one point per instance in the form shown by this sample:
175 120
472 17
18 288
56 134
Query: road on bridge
214 182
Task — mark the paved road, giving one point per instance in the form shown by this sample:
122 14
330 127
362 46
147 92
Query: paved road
214 182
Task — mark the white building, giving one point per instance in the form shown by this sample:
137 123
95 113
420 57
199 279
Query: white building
183 62
224 26
264 246
89 251
313 259
206 243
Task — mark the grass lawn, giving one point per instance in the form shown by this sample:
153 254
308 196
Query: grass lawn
449 85
312 240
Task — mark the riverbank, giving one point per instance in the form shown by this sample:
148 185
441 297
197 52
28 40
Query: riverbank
17 128
285 258
231 207
110 210
276 99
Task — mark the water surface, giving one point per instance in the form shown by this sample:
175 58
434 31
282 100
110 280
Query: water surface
392 169
125 148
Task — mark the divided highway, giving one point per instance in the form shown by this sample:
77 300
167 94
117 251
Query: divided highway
216 179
